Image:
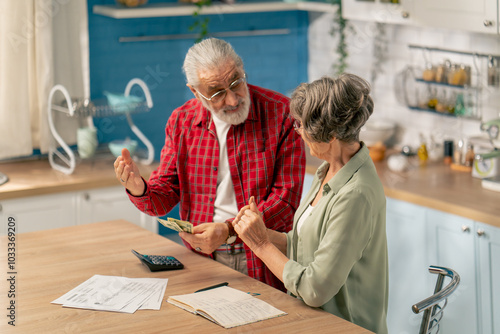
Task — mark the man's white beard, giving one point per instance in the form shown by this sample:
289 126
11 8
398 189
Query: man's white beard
233 118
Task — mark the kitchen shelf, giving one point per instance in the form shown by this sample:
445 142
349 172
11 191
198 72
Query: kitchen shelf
459 52
433 111
467 98
444 84
183 9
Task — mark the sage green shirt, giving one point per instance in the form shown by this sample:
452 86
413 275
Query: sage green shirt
339 261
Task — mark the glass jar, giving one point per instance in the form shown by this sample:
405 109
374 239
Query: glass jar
493 72
459 75
441 73
429 74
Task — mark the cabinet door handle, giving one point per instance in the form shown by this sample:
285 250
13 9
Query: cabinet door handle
405 14
86 196
488 23
480 232
465 228
1 208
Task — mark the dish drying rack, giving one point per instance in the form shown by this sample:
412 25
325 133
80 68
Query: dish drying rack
87 109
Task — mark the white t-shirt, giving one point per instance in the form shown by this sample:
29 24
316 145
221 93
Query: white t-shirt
304 217
225 205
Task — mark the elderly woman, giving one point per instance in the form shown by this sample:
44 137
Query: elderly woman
335 257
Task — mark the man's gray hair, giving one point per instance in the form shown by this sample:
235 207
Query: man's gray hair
208 54
332 108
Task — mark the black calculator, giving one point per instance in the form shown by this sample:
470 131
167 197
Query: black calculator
159 262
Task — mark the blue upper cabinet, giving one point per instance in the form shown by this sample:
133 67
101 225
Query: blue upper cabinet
276 60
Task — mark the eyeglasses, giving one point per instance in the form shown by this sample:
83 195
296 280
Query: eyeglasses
220 95
297 125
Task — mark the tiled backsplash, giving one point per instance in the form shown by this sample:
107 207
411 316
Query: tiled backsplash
410 123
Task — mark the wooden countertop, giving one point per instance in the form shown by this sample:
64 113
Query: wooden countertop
36 177
437 186
434 186
50 263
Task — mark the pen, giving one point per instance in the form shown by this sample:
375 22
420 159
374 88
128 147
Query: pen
213 286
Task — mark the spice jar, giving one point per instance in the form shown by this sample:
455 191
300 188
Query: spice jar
493 72
429 73
467 76
457 153
433 101
448 152
459 75
441 72
423 154
469 155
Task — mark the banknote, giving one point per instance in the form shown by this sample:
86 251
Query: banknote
177 225
169 225
184 225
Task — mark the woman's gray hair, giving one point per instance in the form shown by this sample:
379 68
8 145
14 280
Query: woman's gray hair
208 54
333 108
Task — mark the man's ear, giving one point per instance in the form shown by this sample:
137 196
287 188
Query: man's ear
191 88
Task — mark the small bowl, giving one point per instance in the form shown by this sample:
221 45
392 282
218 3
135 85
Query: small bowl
116 146
377 131
377 151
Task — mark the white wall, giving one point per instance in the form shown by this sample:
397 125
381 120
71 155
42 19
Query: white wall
399 55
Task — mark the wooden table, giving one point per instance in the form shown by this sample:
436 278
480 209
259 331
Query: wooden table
52 262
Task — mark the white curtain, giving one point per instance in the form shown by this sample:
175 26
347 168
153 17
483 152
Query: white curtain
42 42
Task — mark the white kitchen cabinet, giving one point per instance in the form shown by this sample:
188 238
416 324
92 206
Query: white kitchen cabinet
468 15
110 203
488 240
418 237
452 244
379 11
37 213
45 212
409 279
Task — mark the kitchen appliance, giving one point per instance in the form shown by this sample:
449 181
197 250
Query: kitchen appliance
487 162
483 168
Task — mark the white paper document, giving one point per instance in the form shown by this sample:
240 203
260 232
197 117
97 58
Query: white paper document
226 306
116 294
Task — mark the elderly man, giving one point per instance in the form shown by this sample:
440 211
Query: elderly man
232 141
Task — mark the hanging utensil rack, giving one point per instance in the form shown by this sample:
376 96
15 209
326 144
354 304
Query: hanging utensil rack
90 109
473 89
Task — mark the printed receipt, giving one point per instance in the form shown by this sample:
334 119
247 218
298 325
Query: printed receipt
116 294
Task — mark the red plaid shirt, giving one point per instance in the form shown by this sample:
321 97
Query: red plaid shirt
266 160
